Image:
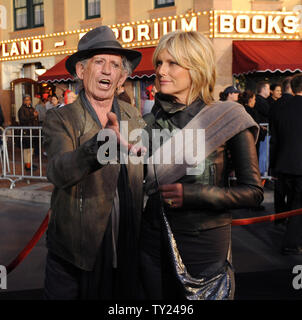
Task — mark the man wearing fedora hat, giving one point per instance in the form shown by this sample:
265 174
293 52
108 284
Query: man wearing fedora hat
94 224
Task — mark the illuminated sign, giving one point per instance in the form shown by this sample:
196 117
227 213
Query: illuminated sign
22 48
146 33
255 24
132 34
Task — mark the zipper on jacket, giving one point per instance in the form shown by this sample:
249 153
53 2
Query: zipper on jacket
80 205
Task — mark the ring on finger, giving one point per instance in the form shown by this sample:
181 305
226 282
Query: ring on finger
170 202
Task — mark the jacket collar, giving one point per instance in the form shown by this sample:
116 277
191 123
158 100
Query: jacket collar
90 109
179 114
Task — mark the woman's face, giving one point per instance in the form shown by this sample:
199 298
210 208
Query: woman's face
252 101
233 96
277 93
172 78
54 101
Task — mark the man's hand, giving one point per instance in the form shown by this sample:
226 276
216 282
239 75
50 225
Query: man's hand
128 147
172 194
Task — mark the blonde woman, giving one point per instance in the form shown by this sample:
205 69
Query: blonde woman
196 206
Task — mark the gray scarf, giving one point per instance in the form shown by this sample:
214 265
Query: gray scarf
220 120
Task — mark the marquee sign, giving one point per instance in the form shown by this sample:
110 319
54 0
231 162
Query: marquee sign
255 24
146 33
143 33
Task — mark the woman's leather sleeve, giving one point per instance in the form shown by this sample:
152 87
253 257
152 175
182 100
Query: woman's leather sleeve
248 191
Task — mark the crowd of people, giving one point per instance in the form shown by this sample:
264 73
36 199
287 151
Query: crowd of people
34 116
278 105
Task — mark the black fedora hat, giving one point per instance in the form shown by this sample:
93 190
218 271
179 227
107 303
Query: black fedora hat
100 40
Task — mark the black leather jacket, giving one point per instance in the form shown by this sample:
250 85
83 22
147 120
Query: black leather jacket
208 197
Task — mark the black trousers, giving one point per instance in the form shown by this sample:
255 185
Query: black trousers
280 194
293 234
196 251
61 279
64 281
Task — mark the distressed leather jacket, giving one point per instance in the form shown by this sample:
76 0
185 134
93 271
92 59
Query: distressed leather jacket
208 197
84 190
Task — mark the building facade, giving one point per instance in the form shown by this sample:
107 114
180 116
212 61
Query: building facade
35 35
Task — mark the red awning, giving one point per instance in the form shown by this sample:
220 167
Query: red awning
145 68
261 56
57 73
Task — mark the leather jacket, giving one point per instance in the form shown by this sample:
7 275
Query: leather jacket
207 197
84 190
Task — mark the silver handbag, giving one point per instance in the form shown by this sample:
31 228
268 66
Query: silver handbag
216 287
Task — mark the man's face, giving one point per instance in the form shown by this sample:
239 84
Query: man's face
266 91
101 76
27 101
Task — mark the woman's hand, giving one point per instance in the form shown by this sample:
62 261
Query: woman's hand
172 194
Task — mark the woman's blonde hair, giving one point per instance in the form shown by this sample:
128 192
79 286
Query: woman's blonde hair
194 52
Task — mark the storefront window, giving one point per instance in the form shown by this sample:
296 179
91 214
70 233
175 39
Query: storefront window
28 14
92 9
163 3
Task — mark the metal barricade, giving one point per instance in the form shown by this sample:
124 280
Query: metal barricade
22 150
3 153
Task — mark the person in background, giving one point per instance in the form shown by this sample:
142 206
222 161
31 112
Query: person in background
287 92
276 93
263 108
70 97
229 94
55 102
41 109
48 104
286 160
280 188
122 94
248 100
286 96
28 117
150 92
